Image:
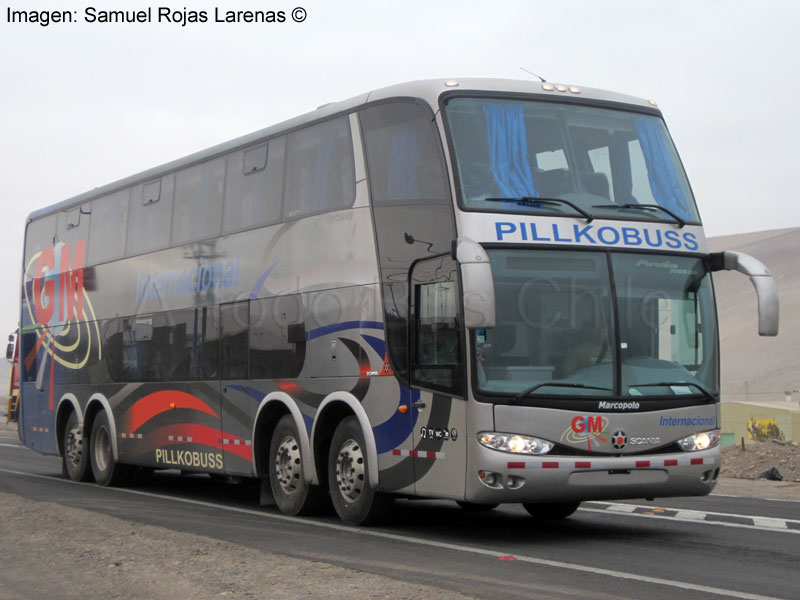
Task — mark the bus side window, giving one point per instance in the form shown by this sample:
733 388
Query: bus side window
111 331
192 344
277 337
150 215
145 348
234 322
39 234
198 201
320 170
254 186
108 227
404 154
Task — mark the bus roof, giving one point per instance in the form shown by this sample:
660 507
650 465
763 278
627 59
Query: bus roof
429 90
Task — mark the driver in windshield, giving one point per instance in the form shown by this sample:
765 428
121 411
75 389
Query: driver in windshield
588 348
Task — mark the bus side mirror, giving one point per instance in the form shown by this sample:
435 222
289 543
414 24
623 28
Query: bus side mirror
760 277
12 342
477 284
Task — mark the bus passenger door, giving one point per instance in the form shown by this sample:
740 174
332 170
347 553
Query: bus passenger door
437 371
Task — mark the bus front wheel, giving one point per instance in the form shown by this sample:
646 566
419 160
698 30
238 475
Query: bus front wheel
106 470
354 499
551 511
75 454
289 488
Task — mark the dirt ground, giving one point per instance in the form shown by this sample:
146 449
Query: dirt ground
45 545
760 456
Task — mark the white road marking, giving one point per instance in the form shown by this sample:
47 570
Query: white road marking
769 523
430 543
693 516
690 515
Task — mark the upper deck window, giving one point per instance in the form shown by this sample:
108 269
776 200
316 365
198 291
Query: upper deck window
610 163
254 186
404 154
320 174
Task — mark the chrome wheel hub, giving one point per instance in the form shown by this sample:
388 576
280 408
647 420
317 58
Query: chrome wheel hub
350 470
288 465
74 445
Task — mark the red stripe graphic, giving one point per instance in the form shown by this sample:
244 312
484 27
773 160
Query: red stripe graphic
160 402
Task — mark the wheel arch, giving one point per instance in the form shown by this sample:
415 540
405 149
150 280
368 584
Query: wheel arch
332 410
67 405
98 402
274 406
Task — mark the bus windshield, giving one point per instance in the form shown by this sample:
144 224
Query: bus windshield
598 324
605 162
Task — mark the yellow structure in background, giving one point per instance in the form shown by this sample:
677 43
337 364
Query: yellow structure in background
763 420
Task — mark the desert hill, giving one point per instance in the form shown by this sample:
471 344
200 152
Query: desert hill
759 368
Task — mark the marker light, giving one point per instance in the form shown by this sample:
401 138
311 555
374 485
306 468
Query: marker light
561 88
548 87
514 443
701 441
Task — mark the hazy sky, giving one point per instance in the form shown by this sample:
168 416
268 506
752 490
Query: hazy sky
84 104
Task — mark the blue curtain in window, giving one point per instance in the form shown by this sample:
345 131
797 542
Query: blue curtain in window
665 181
508 149
323 169
402 176
619 157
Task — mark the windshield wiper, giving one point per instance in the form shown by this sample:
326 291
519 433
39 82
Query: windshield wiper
581 386
671 384
536 202
681 223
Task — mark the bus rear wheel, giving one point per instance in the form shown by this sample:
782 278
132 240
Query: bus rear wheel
354 499
106 470
551 511
75 454
289 488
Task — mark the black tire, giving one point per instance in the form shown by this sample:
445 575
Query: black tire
472 507
106 471
354 499
75 451
285 471
551 511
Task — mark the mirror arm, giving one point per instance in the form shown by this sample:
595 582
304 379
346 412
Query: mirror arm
764 284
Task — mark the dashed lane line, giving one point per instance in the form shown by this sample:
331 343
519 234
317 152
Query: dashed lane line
695 516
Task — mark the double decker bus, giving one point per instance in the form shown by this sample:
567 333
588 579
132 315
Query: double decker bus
486 291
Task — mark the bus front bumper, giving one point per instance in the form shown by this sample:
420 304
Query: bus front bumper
499 477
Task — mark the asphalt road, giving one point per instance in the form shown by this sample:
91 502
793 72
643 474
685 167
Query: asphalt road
712 547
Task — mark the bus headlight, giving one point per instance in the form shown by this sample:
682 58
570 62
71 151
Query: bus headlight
700 441
514 443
